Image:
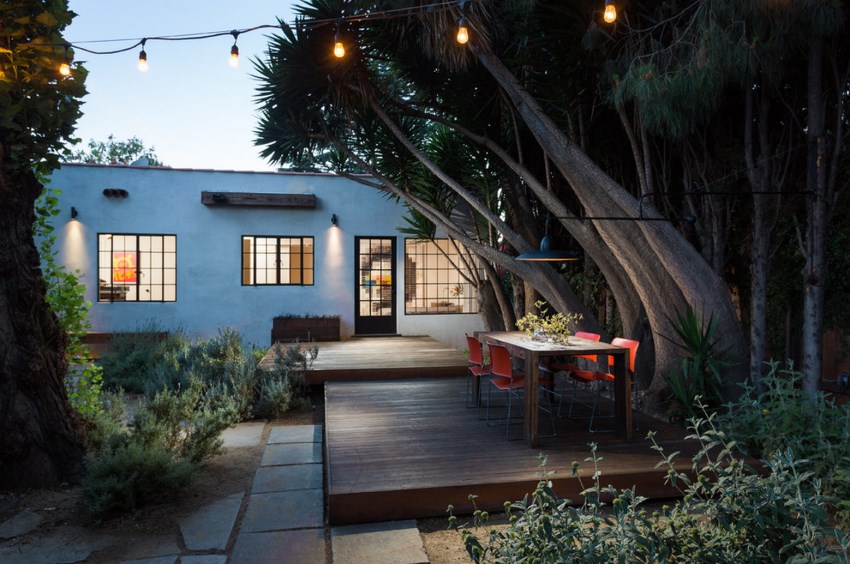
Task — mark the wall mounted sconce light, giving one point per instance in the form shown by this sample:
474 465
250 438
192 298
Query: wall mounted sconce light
115 193
334 219
74 212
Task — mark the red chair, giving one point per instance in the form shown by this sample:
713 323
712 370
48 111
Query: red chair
552 369
590 377
503 377
477 369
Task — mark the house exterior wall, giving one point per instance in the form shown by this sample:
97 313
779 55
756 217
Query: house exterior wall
210 294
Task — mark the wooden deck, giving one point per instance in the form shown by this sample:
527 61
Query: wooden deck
409 448
380 358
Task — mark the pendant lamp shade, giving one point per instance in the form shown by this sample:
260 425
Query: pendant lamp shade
547 253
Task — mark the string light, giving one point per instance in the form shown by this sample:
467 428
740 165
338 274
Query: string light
462 32
65 67
339 48
610 13
234 51
142 65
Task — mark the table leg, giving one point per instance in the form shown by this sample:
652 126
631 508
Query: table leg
532 377
476 389
622 397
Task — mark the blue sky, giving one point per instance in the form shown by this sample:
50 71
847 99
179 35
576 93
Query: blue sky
194 109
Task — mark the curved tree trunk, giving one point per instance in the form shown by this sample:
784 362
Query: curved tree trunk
665 269
38 446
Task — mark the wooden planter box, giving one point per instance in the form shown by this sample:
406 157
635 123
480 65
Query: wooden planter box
306 329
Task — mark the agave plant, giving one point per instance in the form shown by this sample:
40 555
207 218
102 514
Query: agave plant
702 363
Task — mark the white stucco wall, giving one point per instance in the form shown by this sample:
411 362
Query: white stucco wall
209 290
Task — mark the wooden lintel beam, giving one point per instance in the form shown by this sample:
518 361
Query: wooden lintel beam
258 199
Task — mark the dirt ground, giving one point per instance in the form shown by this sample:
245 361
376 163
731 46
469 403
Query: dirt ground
129 536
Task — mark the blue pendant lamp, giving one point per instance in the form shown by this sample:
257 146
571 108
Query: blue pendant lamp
546 252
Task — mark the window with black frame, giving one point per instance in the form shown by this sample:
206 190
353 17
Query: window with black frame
136 267
277 261
438 278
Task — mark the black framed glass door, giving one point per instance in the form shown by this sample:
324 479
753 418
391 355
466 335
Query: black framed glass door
375 306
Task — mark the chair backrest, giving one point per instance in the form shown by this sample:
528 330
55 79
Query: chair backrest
500 361
476 354
627 344
591 337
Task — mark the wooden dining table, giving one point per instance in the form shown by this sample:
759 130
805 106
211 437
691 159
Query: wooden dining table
523 346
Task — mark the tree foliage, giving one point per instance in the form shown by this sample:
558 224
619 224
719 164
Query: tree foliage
40 107
113 151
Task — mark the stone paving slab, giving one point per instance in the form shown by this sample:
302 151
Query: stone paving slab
292 453
145 548
19 524
296 434
392 542
65 544
279 511
210 527
244 434
305 546
287 478
171 559
204 559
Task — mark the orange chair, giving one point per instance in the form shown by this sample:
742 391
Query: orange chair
477 369
553 368
590 376
505 379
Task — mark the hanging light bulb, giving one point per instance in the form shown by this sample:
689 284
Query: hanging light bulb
234 51
339 48
462 32
142 65
610 11
65 67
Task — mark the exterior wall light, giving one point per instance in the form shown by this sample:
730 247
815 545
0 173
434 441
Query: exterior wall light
334 219
74 212
115 193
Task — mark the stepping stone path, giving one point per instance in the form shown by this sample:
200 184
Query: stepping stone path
283 519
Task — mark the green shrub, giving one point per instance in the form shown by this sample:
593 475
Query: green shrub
184 422
728 513
107 429
134 360
143 362
783 418
66 297
276 397
84 384
154 459
132 475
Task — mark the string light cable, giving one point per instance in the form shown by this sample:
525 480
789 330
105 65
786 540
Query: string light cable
301 23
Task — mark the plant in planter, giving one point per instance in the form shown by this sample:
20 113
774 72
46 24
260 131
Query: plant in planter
549 328
291 327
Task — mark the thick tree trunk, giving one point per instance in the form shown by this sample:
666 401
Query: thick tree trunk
38 446
759 269
667 272
489 308
760 172
814 275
